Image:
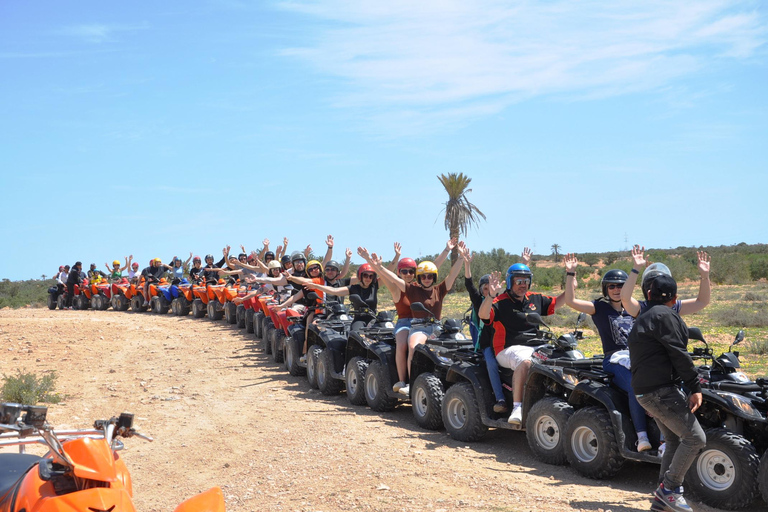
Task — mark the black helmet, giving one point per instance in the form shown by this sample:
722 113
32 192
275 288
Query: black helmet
207 256
269 255
333 264
651 272
484 280
298 256
613 276
242 255
285 259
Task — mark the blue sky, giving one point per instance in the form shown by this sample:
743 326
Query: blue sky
160 128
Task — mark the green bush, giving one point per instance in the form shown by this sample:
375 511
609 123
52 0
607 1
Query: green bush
28 389
742 315
758 347
730 269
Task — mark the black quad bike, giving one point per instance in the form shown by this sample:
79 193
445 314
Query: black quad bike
330 329
600 435
468 403
343 362
429 368
53 297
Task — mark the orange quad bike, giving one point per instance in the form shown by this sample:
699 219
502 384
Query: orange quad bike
202 295
101 294
215 305
82 471
122 291
82 298
182 298
137 298
231 292
262 320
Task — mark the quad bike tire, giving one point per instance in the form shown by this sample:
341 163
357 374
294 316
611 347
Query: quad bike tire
265 329
278 344
268 339
313 353
354 380
461 413
95 302
326 383
545 429
240 316
250 321
230 312
120 303
377 383
763 484
180 306
258 324
158 306
292 354
198 308
427 401
105 303
61 302
725 474
214 311
52 303
81 302
590 444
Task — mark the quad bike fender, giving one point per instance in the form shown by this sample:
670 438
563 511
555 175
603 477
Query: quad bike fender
211 500
477 376
356 347
714 405
424 360
44 499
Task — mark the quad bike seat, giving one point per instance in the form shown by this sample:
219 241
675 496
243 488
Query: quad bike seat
12 468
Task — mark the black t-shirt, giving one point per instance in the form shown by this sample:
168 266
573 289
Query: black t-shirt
195 274
340 283
510 327
613 326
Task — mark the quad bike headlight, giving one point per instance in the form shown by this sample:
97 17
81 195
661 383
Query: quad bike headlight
446 360
740 403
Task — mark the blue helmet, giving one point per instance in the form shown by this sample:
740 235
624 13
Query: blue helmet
518 269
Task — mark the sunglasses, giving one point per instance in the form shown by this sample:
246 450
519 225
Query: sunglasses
312 269
616 286
330 269
406 271
428 276
366 276
521 281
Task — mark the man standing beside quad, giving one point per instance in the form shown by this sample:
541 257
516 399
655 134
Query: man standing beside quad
658 347
514 338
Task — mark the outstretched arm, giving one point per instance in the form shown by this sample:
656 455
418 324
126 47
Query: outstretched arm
631 305
494 289
569 295
393 265
386 277
347 261
454 273
329 251
689 306
449 245
341 292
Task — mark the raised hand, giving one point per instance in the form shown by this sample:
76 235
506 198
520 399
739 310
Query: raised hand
265 242
703 262
225 251
285 241
376 259
571 262
450 244
398 247
329 241
638 255
242 247
525 258
348 253
495 285
279 249
363 252
307 250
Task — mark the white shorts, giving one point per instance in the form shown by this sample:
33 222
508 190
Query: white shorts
511 357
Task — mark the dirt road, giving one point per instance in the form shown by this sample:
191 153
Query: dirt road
223 414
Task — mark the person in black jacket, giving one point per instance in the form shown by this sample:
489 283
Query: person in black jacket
74 277
658 347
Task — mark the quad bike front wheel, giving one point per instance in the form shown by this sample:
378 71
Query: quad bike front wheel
725 474
590 443
355 380
377 383
52 303
313 353
461 413
427 400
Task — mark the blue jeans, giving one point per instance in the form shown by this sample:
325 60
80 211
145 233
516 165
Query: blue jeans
493 373
622 377
681 429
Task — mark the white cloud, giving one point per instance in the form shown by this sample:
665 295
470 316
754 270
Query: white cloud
453 59
100 32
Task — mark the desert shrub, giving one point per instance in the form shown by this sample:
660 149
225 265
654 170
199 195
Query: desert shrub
742 315
755 297
29 389
758 347
758 268
730 269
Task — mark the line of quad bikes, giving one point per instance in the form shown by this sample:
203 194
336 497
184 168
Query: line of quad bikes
572 412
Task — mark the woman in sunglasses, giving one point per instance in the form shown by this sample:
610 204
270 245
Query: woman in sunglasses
427 291
613 324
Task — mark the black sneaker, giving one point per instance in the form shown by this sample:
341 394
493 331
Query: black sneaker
673 499
500 407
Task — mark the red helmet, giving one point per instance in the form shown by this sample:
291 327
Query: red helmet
365 267
61 268
405 263
135 265
196 258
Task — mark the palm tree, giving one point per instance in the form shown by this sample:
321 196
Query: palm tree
555 249
459 212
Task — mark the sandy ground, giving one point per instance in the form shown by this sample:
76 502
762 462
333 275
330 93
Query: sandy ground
223 414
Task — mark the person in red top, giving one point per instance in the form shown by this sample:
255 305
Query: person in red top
514 338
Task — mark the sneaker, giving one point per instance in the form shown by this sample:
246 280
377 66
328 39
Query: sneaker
658 505
516 418
405 390
303 359
673 499
643 444
398 386
500 407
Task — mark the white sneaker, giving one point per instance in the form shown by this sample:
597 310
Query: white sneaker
516 418
643 444
405 390
303 359
396 388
